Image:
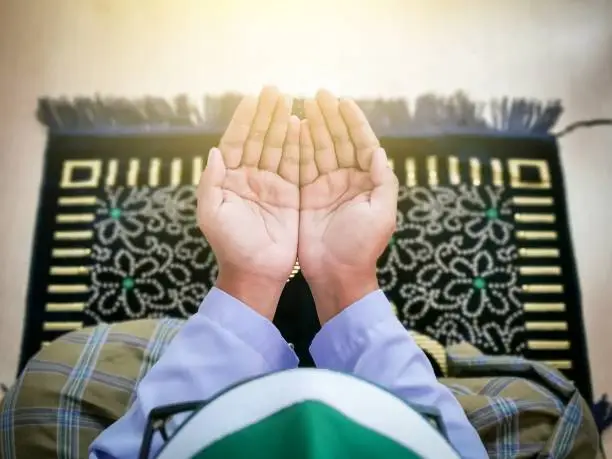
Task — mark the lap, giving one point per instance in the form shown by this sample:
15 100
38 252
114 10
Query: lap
83 382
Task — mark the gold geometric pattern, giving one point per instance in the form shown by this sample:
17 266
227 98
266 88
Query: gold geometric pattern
529 252
74 218
542 288
65 307
111 173
548 345
64 288
295 270
154 172
517 169
537 235
475 172
544 307
198 167
69 270
71 252
77 201
546 326
132 174
454 176
62 326
410 172
534 218
74 225
176 168
432 171
498 172
540 270
83 235
532 201
93 168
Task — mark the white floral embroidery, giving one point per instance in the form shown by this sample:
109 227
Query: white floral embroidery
127 284
179 206
478 284
118 216
450 267
484 209
429 207
150 257
452 328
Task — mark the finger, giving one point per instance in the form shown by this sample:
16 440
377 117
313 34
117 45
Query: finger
325 156
259 129
210 191
289 167
275 138
361 132
308 165
236 134
384 195
330 107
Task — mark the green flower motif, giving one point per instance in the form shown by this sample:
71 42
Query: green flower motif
115 213
479 283
128 283
492 213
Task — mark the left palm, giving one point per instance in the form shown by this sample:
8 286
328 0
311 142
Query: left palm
248 198
259 215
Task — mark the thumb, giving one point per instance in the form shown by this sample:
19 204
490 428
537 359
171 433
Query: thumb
384 195
210 193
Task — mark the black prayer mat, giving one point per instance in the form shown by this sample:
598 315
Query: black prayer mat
482 251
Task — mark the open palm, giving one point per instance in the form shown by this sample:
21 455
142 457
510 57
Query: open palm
248 197
347 191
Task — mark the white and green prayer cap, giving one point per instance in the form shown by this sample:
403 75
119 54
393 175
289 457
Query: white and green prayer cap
307 413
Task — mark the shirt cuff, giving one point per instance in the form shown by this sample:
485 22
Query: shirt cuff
250 327
346 333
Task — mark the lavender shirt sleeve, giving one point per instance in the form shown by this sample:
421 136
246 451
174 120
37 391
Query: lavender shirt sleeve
225 342
367 340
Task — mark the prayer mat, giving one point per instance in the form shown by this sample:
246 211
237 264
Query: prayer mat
482 252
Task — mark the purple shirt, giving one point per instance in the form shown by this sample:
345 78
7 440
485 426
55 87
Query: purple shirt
226 342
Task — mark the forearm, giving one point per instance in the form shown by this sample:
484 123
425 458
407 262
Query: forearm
259 292
224 343
333 292
367 340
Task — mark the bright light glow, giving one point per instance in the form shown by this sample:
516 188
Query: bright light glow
359 48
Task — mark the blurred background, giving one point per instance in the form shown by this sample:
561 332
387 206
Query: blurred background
546 49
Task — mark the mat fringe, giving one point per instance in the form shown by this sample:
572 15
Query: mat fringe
429 114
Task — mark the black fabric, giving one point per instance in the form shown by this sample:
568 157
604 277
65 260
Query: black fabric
451 269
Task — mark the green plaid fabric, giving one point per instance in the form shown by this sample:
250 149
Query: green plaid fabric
83 382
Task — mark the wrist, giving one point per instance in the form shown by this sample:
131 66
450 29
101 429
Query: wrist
335 292
260 293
